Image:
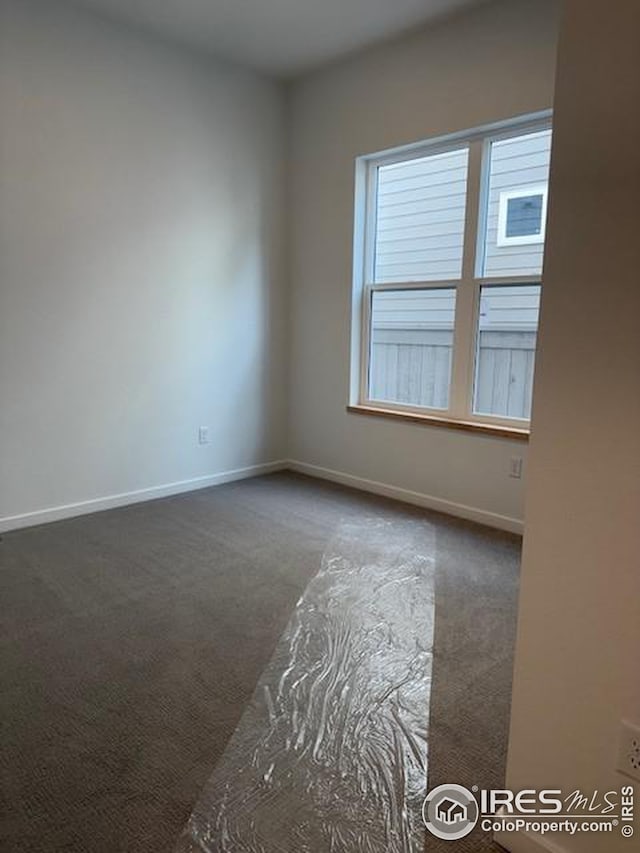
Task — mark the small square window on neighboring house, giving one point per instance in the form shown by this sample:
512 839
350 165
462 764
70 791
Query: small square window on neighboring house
522 214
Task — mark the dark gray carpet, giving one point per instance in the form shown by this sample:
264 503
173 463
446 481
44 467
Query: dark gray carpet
476 581
133 639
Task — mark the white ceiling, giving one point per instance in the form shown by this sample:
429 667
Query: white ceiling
280 37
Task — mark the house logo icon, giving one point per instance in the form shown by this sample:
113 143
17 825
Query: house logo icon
450 812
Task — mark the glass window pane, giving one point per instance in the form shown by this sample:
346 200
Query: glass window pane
506 347
517 205
523 216
411 346
420 218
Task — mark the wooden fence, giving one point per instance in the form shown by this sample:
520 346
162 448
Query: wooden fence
413 366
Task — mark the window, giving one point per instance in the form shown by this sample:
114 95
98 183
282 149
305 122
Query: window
420 218
411 346
521 216
505 350
515 204
448 262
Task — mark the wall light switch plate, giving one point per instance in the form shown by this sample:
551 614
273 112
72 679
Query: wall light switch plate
629 750
203 435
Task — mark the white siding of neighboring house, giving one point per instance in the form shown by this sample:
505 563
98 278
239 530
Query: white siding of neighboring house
421 212
502 308
515 163
414 309
510 309
420 218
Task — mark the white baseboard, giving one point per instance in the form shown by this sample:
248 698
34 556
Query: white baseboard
524 842
492 519
56 513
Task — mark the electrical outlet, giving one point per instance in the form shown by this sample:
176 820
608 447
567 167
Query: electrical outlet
203 435
629 750
515 467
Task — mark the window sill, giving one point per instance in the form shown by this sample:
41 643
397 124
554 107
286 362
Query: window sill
515 433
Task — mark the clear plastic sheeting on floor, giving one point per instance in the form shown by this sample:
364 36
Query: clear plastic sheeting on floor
330 755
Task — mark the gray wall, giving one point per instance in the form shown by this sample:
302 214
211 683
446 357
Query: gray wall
141 253
576 668
488 64
141 265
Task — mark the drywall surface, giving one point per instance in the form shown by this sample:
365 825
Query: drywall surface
485 65
142 289
576 671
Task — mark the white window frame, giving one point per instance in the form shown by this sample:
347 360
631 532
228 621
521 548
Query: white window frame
503 207
467 287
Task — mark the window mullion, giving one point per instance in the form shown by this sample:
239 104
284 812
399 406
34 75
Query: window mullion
462 372
466 298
